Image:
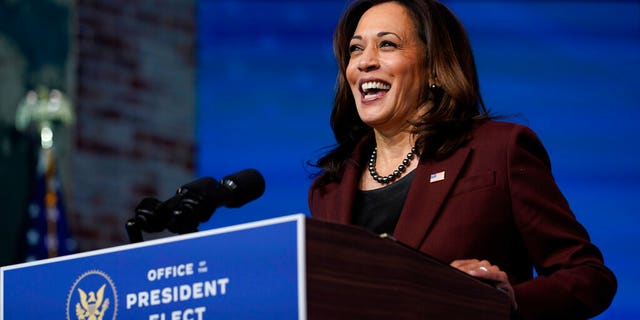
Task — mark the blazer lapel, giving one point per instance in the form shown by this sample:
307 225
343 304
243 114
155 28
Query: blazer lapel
343 196
429 189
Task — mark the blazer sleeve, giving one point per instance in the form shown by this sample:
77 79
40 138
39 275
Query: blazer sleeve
572 280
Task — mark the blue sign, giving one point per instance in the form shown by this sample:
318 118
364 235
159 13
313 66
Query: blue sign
248 271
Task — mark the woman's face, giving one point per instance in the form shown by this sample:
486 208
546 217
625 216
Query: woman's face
386 67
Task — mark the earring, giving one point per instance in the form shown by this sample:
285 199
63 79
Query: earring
433 86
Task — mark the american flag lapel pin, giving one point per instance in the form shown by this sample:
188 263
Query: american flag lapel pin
435 177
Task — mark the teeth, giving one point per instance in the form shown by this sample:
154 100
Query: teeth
375 85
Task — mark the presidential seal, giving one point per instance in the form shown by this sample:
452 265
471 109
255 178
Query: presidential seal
92 296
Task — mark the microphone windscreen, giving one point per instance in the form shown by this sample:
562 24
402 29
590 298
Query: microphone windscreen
202 185
246 185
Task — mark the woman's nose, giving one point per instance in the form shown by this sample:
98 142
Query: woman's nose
368 60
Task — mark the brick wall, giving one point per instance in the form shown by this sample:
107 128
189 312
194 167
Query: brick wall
135 89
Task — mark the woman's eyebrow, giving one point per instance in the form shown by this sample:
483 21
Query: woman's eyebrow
379 34
384 33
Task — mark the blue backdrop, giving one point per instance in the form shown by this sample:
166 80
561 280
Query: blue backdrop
266 77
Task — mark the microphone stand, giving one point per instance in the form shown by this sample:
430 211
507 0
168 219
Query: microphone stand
134 231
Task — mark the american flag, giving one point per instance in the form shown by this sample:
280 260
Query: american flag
47 232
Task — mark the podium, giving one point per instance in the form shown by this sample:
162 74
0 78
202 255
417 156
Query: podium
290 267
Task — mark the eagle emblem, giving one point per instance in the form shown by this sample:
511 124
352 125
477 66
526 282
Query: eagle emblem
92 306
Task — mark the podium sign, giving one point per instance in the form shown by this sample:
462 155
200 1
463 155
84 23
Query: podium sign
248 271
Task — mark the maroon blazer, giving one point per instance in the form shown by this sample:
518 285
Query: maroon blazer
498 201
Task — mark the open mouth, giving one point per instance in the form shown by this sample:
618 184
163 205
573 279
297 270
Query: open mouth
374 89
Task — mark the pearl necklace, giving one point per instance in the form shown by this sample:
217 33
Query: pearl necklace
396 173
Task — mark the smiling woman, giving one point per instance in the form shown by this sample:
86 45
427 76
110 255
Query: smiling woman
481 197
385 74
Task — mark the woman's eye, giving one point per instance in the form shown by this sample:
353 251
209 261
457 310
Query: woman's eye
354 47
388 44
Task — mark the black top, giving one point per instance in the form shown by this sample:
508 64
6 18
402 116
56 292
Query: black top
379 210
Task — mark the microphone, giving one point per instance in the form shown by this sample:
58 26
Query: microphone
199 199
194 203
245 186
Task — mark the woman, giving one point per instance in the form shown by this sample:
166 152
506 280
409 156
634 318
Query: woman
418 157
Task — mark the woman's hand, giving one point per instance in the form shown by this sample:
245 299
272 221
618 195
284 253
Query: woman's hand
485 270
